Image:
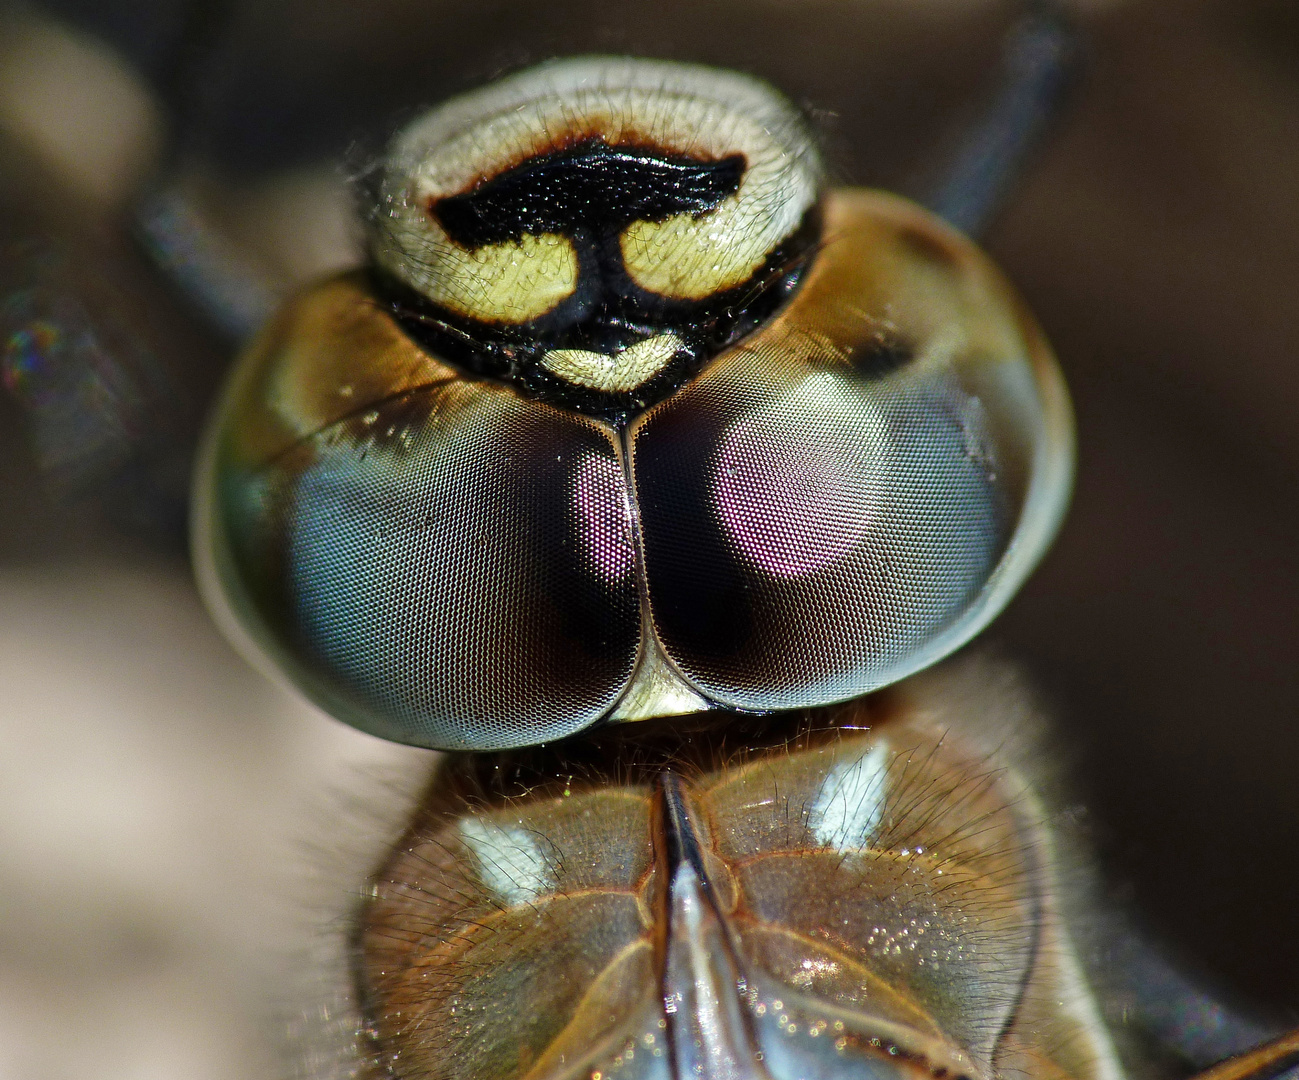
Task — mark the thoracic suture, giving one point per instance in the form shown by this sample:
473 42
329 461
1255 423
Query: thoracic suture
708 1026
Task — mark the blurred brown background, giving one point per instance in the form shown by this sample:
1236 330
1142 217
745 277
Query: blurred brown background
1159 242
172 828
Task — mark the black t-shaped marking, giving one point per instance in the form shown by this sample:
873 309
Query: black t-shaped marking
591 187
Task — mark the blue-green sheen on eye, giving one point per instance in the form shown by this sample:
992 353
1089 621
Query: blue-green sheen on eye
440 579
467 558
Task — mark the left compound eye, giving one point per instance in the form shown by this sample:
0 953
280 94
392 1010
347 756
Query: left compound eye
627 419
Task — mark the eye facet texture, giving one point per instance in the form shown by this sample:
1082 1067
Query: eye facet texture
805 532
834 503
505 540
479 556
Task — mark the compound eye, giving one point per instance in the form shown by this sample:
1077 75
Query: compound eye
625 420
859 487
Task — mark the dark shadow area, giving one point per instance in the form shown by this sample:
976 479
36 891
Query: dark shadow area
1156 237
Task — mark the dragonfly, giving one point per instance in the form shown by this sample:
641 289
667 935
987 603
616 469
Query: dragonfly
677 773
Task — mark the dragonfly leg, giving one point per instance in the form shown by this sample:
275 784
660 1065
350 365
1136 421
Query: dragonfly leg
1038 62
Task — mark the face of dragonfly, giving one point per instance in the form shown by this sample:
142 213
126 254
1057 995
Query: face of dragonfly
628 419
508 820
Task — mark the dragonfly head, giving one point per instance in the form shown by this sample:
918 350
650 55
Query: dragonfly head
628 417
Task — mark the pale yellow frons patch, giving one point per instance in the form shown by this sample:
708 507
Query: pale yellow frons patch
511 282
616 373
690 258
